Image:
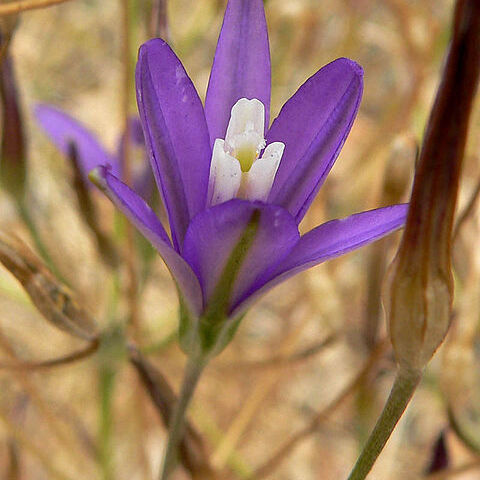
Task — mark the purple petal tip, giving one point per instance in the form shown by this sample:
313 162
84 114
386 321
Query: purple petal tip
356 67
148 45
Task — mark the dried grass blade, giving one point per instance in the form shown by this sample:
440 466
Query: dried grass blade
52 300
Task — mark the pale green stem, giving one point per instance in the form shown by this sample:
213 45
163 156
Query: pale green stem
192 374
402 391
40 245
108 367
107 383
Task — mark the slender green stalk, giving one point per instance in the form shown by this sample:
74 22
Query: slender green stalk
192 374
403 388
111 350
107 383
42 249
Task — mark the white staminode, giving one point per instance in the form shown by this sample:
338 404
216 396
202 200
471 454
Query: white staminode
236 170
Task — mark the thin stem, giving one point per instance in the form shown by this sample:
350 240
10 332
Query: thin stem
55 362
108 366
192 374
107 384
24 213
403 388
159 26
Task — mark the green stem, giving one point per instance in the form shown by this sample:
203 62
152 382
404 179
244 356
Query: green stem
110 352
192 374
107 382
403 388
42 249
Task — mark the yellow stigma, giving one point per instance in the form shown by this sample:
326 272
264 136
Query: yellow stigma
246 156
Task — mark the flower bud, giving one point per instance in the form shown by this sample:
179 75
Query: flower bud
420 282
12 147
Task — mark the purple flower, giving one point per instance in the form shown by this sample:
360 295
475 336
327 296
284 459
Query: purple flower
235 190
63 130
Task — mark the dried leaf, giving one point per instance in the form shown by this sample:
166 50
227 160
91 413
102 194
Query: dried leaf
55 362
52 300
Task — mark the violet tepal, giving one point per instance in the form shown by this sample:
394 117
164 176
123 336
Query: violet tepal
62 129
235 189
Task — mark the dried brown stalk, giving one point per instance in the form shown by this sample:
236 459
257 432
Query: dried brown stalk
7 29
12 8
56 362
159 25
52 300
13 469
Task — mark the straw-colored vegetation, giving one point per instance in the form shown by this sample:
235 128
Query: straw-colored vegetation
299 389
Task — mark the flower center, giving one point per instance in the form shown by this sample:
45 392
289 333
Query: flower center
236 169
246 156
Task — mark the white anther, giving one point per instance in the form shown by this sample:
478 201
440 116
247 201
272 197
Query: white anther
225 175
246 127
235 168
259 179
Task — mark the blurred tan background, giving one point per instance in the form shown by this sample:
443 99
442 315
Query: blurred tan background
301 346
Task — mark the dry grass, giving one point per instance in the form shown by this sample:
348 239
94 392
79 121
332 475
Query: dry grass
275 379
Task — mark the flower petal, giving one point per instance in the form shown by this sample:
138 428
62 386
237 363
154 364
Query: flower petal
62 130
176 133
137 138
241 68
142 177
313 125
146 221
214 233
327 241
